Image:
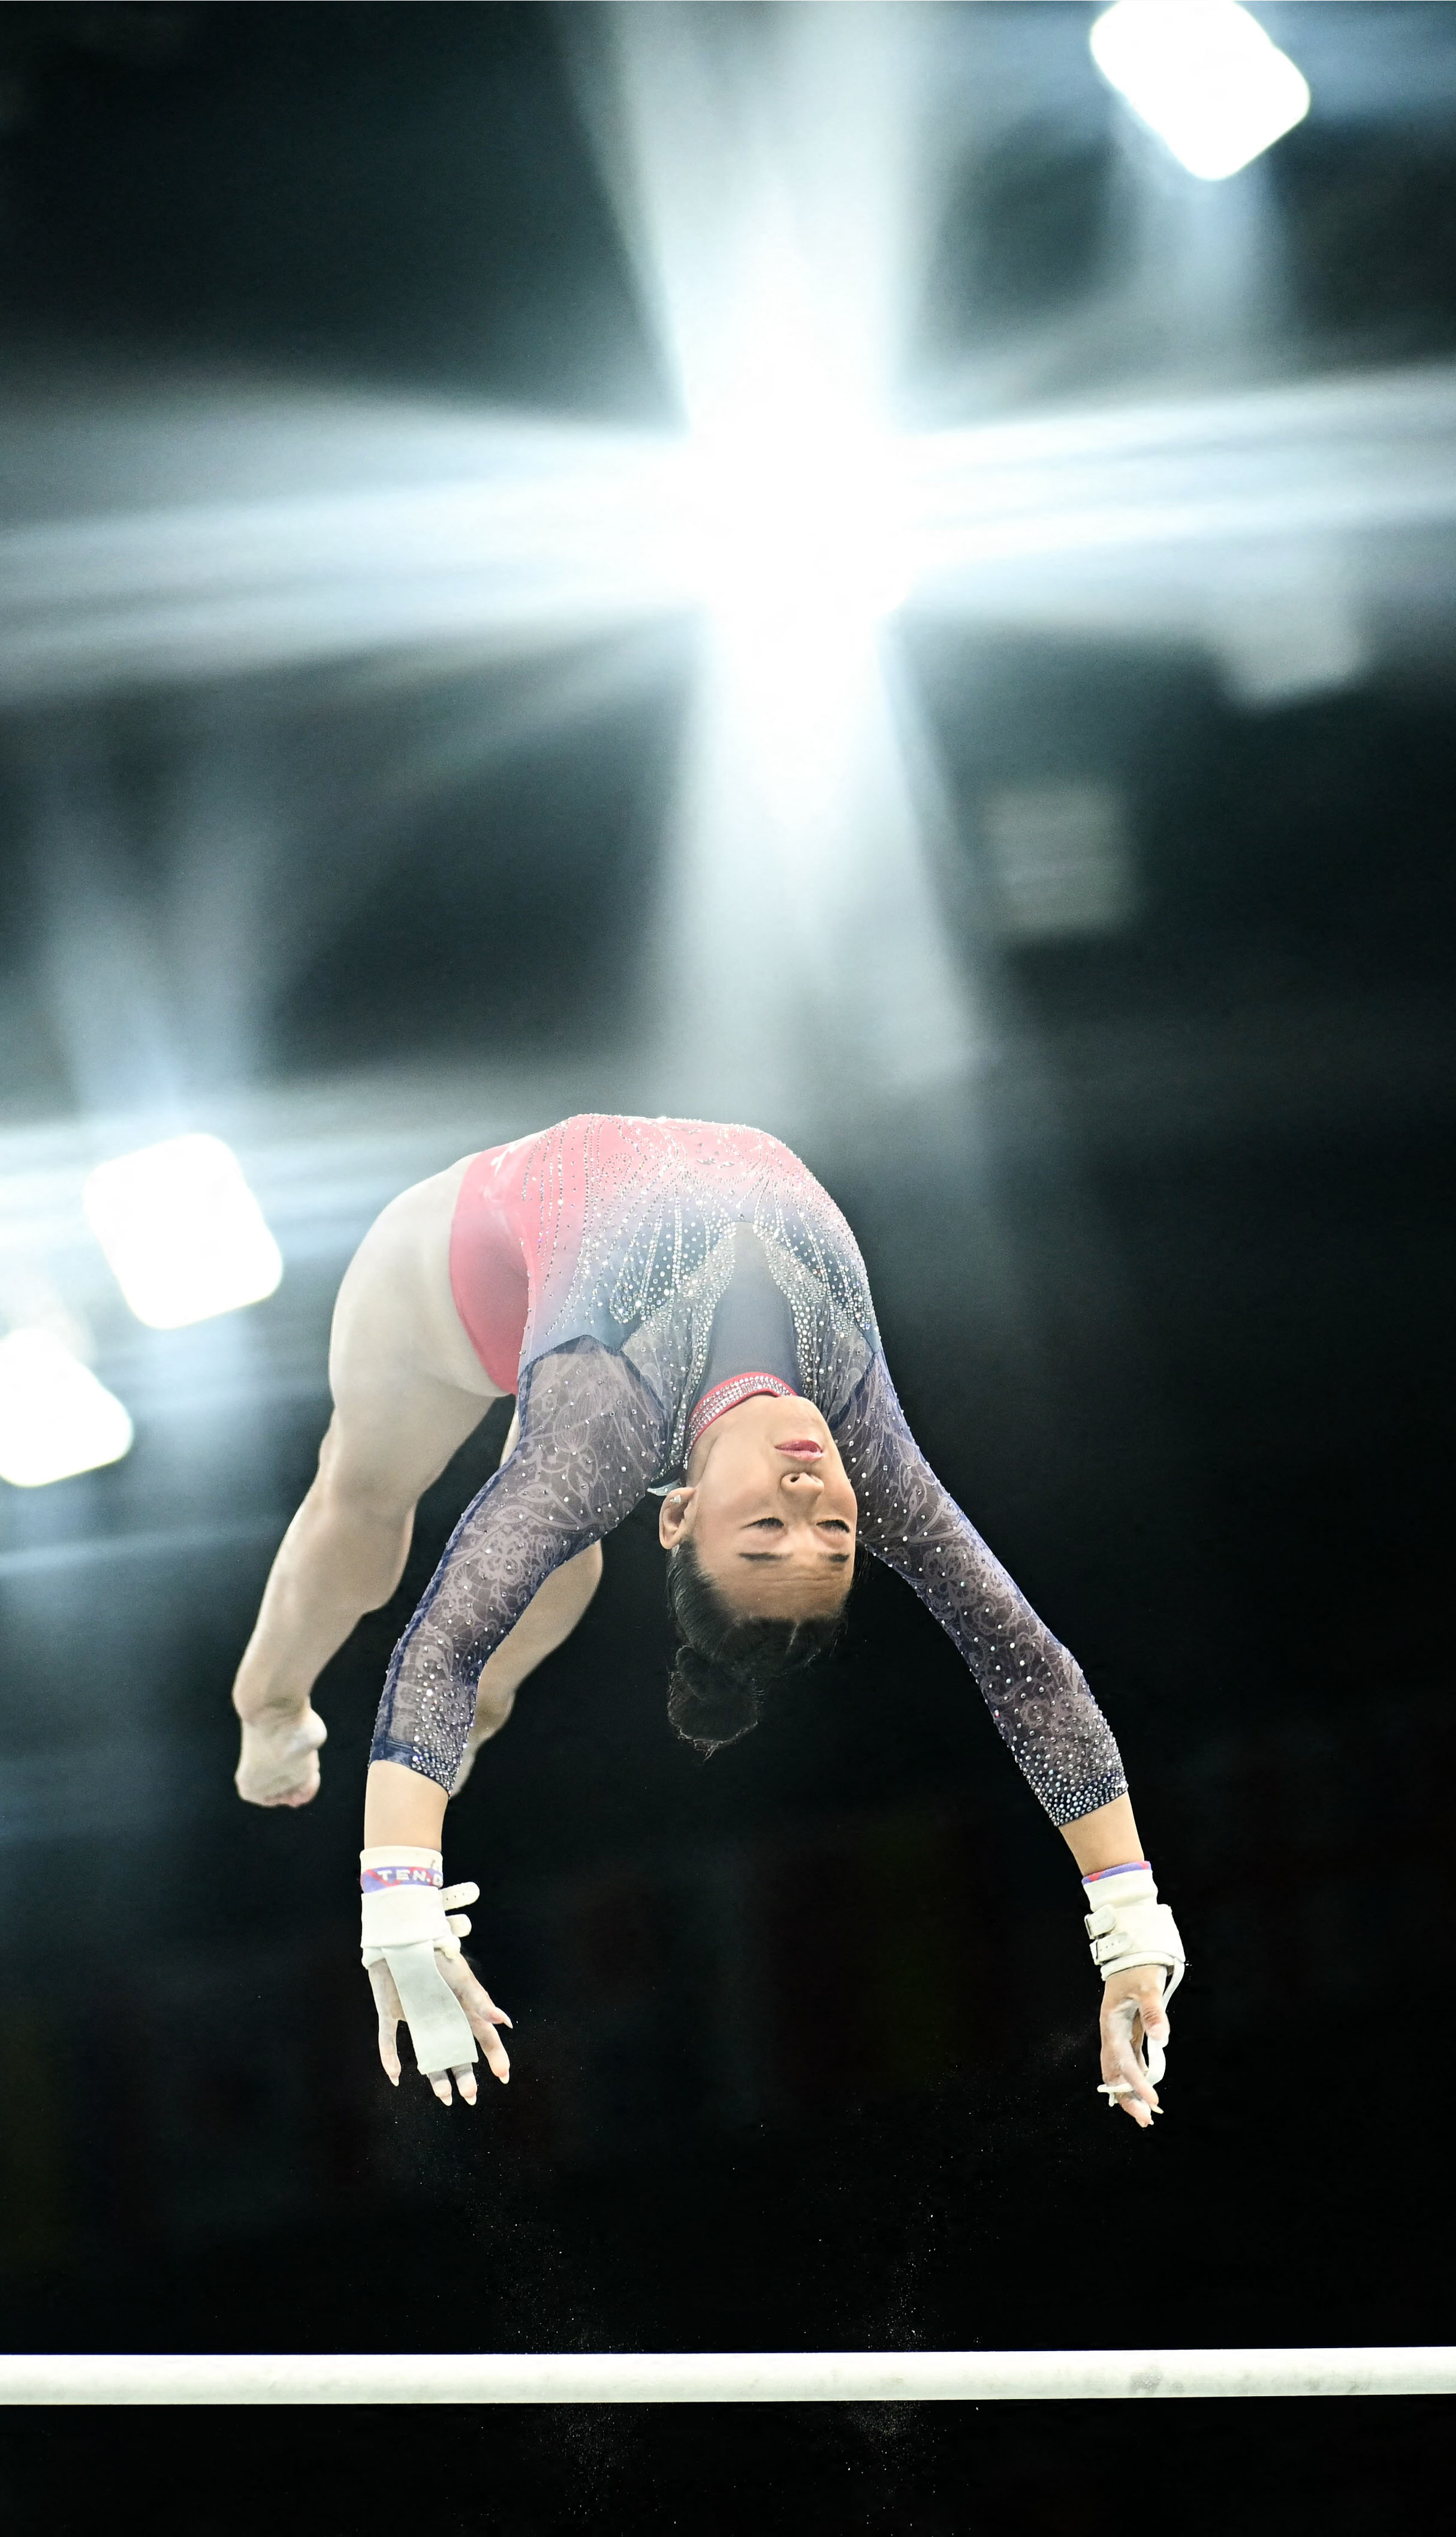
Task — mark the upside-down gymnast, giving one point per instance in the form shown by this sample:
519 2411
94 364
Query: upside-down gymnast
678 1308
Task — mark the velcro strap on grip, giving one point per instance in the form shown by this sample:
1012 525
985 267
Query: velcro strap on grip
406 1917
1129 1926
403 1903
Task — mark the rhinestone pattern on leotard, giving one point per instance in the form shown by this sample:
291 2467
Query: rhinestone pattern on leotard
634 1223
725 1397
636 1226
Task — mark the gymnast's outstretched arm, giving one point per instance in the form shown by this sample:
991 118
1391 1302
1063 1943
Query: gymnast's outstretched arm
592 1440
1042 1711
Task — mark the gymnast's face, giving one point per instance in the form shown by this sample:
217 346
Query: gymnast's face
769 1511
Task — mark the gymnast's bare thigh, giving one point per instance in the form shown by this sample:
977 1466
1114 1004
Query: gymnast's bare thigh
406 1383
399 1351
408 1389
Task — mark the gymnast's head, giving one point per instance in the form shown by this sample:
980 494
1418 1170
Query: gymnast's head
760 1542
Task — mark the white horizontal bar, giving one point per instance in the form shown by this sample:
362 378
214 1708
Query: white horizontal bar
716 2378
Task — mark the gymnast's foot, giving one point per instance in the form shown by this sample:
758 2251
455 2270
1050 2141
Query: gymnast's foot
280 1761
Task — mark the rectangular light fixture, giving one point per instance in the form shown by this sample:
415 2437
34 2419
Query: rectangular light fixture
1203 75
184 1235
1060 860
55 1418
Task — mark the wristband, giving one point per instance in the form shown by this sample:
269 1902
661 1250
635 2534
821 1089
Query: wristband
403 1900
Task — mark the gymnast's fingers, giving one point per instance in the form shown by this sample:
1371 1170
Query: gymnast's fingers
465 2080
485 2018
1156 2032
388 2012
1150 2030
1127 2080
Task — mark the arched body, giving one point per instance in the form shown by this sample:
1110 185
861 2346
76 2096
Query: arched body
629 1278
640 1241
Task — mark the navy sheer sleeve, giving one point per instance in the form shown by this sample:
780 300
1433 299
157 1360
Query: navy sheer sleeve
1034 1689
592 1441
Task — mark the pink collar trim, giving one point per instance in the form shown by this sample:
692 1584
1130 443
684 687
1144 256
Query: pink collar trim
727 1396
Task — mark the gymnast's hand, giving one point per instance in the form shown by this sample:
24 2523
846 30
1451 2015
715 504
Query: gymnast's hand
1133 2016
483 2019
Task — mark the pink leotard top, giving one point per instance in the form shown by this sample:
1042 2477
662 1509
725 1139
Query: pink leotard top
492 1247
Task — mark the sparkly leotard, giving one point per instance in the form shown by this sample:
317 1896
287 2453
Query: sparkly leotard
612 1243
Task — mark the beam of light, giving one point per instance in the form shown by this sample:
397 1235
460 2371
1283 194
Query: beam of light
800 944
1203 75
531 534
1245 525
1097 519
56 1418
760 175
266 859
792 532
1334 455
183 1234
767 175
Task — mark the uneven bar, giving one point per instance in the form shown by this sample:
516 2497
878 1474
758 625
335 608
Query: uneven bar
719 2378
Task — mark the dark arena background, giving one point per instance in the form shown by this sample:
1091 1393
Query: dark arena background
770 562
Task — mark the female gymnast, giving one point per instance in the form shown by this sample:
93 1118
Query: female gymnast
678 1308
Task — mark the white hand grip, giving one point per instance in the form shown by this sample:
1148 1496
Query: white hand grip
1129 1926
406 1916
439 2029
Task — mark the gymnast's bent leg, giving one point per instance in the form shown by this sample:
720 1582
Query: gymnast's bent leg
408 1391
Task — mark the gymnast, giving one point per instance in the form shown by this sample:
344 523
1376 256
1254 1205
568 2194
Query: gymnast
678 1308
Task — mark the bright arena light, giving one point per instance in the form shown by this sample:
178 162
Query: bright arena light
182 1231
795 501
55 1418
1203 75
795 550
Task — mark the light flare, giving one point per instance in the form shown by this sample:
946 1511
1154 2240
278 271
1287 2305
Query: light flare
1204 75
183 1234
56 1418
762 167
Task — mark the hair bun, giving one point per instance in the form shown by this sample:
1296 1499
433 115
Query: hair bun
708 1703
728 1664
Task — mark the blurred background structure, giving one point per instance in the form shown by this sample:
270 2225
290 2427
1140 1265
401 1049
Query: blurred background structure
775 561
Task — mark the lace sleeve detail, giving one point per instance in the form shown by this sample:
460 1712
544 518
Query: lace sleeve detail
590 1442
1034 1689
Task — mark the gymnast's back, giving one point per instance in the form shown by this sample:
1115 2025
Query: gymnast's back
623 1232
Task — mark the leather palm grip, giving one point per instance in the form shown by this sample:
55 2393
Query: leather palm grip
439 2029
1127 1925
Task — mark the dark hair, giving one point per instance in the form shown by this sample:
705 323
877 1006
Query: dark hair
725 1666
